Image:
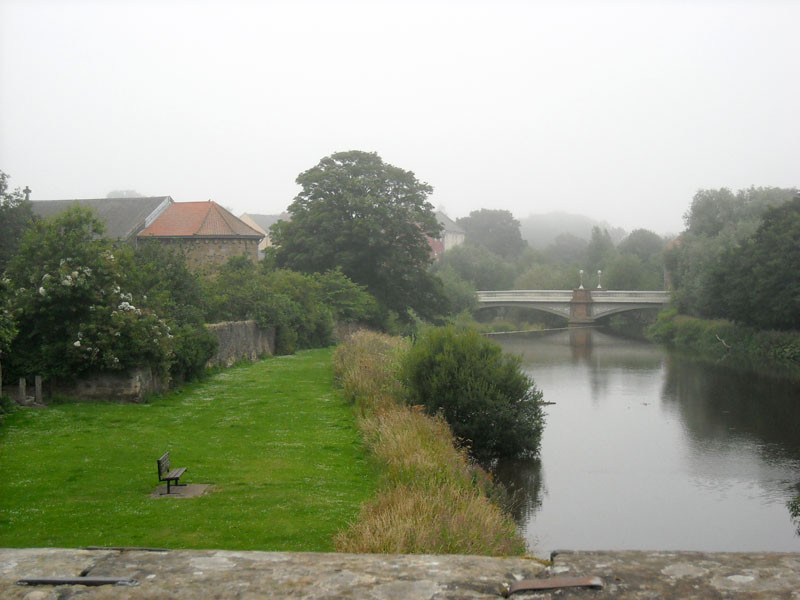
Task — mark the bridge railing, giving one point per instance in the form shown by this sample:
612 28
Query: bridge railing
523 295
630 296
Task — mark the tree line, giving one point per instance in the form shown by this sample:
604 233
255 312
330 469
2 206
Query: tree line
739 258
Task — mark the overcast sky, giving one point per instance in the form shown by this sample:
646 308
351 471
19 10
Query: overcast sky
617 110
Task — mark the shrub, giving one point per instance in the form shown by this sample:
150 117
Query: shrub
193 345
481 392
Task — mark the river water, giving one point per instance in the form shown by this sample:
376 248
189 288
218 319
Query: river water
644 450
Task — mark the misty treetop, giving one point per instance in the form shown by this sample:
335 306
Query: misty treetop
496 230
370 219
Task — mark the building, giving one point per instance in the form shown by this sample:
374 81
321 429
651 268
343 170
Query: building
262 223
205 232
123 218
452 236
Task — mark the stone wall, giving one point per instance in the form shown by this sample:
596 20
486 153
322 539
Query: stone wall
241 339
237 340
206 574
132 386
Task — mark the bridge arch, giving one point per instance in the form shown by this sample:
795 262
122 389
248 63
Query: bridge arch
557 311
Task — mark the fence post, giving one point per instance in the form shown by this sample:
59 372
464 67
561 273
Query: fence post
37 382
23 393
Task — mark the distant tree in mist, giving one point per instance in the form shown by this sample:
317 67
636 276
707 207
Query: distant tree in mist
496 230
478 265
566 248
124 194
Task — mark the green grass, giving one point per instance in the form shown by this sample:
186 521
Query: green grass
276 440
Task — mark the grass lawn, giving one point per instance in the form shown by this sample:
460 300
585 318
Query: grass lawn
276 440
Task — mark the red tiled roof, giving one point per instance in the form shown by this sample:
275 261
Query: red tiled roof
209 219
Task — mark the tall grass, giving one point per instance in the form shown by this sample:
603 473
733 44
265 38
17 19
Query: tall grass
431 499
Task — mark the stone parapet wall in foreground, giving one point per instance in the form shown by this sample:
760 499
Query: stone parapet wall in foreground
206 574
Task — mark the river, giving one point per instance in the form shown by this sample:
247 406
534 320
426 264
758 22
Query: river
644 450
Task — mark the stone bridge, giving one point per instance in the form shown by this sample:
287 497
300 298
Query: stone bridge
578 306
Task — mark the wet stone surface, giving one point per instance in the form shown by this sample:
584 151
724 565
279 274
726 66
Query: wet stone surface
200 574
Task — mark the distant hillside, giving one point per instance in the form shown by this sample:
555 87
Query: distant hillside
541 230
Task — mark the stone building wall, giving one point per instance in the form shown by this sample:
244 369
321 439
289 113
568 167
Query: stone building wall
201 252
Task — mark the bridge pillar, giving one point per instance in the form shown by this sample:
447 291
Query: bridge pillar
580 307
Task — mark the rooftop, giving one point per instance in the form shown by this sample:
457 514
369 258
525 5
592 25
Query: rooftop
123 217
199 219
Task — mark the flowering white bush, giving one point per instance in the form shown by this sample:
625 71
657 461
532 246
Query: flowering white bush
71 312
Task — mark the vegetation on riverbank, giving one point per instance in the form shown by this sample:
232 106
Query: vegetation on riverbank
431 499
277 441
719 340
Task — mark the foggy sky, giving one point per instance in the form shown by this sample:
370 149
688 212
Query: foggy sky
620 111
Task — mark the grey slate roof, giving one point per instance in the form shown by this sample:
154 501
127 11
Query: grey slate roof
448 223
123 217
265 221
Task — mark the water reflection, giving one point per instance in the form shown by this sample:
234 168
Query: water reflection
646 450
523 481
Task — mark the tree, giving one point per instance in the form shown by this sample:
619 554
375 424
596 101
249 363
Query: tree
497 230
481 392
480 266
712 210
7 326
542 276
643 243
370 219
460 292
599 251
566 249
72 314
758 282
718 223
15 217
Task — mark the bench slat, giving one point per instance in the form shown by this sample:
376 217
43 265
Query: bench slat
174 474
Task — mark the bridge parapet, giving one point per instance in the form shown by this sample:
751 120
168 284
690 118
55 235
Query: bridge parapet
525 296
579 305
650 297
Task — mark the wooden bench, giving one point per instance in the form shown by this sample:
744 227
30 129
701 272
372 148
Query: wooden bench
165 474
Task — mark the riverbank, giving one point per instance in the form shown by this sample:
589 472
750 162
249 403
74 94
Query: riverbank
205 574
431 499
724 342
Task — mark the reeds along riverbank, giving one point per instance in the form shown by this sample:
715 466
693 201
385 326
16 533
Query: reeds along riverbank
723 342
431 499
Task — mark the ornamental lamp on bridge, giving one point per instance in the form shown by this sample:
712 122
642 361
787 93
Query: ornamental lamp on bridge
599 284
580 278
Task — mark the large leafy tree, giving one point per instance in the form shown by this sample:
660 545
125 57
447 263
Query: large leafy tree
497 230
758 282
368 218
